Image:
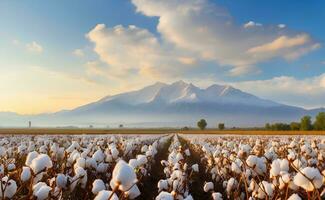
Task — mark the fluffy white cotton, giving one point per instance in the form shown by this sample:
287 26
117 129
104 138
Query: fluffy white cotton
40 163
133 193
123 176
30 157
314 177
216 196
195 168
162 185
142 159
41 191
268 187
165 196
104 195
208 186
294 197
61 181
25 174
134 163
11 188
98 185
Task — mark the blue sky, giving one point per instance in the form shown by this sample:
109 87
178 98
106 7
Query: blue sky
60 54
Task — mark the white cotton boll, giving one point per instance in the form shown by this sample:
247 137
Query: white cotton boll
268 190
294 197
162 185
179 157
144 148
82 175
2 151
142 159
41 191
133 193
195 168
43 149
149 153
102 167
104 195
2 170
165 196
313 174
98 185
134 163
217 196
275 168
236 166
81 162
98 156
115 153
176 183
40 163
25 174
208 186
123 176
231 184
61 181
38 177
11 167
30 157
164 163
187 152
73 147
91 163
11 188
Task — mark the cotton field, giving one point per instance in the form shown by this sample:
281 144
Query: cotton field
162 167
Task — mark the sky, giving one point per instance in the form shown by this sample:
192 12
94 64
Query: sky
61 54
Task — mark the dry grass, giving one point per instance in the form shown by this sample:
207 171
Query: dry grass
59 131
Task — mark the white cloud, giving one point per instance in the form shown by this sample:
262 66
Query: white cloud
252 24
308 92
208 31
78 52
34 47
282 25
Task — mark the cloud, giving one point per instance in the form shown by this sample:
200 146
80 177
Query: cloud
202 28
131 51
78 52
34 47
282 25
252 24
307 92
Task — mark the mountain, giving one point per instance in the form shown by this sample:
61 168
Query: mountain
176 104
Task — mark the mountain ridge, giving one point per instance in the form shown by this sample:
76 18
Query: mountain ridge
179 102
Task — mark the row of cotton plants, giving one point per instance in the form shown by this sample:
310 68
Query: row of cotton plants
176 184
243 167
75 167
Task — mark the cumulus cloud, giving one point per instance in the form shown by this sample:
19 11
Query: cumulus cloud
307 92
192 33
203 28
34 47
78 52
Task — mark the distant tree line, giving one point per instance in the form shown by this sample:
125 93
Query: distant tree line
305 124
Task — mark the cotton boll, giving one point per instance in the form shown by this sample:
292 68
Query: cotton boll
268 190
142 159
162 185
81 162
216 196
91 163
208 186
104 195
165 196
133 193
98 156
123 176
40 163
2 151
189 197
98 185
30 157
102 167
81 174
61 181
294 197
195 168
25 174
2 170
41 191
11 167
10 189
187 152
134 163
313 174
115 153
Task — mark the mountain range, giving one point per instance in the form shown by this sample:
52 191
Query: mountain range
169 105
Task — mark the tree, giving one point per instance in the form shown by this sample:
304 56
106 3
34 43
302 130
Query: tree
202 124
295 126
267 126
305 123
221 126
320 121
